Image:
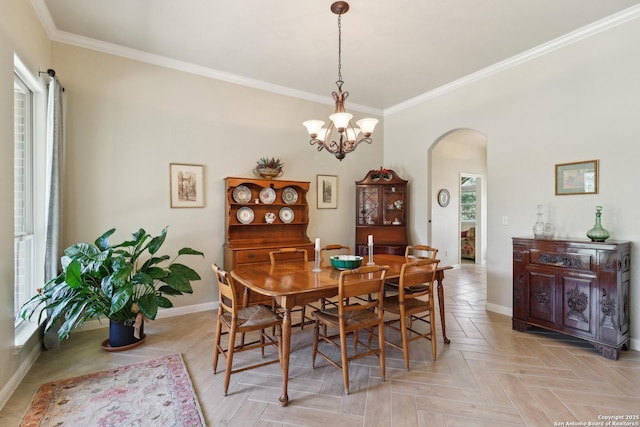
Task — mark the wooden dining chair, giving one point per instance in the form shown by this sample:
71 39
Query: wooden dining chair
240 320
414 302
325 253
420 251
412 252
330 250
350 318
290 256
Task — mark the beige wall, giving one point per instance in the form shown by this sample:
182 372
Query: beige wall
577 103
127 121
20 34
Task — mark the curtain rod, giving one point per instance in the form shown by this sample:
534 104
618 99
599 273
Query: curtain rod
51 72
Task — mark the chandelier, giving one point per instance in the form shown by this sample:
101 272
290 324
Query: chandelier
346 140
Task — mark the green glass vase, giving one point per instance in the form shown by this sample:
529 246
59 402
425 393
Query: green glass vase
597 233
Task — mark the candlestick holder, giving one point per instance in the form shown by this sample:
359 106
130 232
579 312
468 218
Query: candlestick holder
371 255
316 265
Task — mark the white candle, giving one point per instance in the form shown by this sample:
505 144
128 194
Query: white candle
317 243
370 239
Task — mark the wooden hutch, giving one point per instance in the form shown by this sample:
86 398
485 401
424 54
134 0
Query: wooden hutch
575 287
249 235
381 211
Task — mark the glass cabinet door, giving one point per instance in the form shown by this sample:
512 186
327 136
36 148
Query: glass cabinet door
393 198
368 205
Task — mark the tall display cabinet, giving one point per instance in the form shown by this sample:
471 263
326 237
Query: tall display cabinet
262 215
381 211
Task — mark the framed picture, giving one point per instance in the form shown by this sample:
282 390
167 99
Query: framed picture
327 191
577 178
187 185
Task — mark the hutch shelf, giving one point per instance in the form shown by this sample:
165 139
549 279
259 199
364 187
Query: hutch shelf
575 287
249 236
381 210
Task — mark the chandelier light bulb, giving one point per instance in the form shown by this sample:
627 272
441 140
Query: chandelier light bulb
352 133
367 125
313 127
341 120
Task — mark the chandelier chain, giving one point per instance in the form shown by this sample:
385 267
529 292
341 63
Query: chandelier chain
339 82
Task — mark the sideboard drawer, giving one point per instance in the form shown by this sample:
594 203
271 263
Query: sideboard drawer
576 261
253 255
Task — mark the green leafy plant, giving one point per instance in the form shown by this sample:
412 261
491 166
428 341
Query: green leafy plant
270 163
116 281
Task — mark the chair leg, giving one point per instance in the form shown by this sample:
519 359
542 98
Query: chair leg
405 339
232 343
261 332
382 351
345 362
316 332
432 320
303 311
216 346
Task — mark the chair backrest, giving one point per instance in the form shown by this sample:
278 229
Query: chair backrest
361 281
330 250
288 255
228 297
417 277
420 251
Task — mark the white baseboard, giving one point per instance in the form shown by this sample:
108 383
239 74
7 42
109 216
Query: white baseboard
507 311
24 367
18 376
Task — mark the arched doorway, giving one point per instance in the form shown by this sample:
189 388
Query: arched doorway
458 153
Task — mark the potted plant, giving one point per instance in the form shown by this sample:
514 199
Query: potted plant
125 282
269 167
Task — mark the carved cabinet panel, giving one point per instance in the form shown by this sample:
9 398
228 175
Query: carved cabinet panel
575 287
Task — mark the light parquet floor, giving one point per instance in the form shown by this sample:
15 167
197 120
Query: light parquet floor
489 375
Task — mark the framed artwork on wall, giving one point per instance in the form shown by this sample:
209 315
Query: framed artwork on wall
577 178
187 185
327 191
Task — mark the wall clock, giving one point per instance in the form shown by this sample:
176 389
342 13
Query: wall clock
443 197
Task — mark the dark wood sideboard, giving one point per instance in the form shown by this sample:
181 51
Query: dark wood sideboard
576 287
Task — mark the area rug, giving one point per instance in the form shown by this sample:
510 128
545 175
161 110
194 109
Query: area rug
152 393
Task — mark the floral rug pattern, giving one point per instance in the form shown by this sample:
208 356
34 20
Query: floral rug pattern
152 393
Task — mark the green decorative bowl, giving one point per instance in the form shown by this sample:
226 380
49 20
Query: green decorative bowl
345 262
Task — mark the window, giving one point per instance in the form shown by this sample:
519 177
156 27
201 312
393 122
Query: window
22 193
28 195
468 199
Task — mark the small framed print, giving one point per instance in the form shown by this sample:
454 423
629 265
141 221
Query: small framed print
187 185
577 178
327 191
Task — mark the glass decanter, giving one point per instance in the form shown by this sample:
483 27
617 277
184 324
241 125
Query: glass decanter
538 227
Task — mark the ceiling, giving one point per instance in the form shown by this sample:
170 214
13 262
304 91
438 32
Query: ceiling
392 51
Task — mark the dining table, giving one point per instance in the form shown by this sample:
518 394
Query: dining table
298 284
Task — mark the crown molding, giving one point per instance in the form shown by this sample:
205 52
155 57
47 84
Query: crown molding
540 50
604 24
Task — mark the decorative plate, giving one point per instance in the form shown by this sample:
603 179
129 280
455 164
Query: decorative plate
289 195
245 215
267 195
286 215
443 197
242 194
